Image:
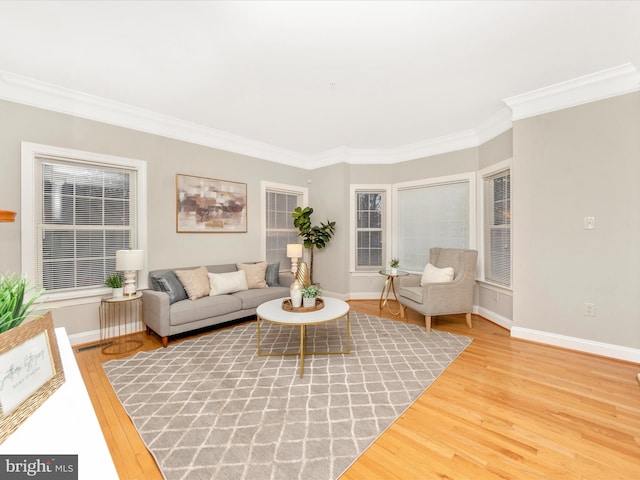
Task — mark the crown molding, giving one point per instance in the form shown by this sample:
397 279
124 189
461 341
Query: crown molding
35 93
588 88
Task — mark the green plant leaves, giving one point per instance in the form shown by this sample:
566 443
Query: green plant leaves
13 311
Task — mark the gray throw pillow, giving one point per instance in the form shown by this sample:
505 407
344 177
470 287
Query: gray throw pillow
272 276
170 284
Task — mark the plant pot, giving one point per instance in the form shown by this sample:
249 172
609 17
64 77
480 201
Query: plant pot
394 271
309 302
117 292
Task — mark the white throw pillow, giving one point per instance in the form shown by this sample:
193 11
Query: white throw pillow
222 283
433 274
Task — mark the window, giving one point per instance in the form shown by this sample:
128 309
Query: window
497 227
370 222
83 207
433 213
279 202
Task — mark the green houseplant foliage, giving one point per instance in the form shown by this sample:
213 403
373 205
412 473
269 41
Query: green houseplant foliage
313 236
310 291
13 308
394 262
113 281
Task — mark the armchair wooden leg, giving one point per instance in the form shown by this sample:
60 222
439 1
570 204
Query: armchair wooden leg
427 323
468 315
402 307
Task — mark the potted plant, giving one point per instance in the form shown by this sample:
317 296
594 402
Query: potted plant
13 308
115 282
394 263
313 236
309 295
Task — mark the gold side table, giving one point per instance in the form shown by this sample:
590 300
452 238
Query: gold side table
389 287
121 320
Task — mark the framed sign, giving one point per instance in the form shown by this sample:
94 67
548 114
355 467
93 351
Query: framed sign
30 371
207 205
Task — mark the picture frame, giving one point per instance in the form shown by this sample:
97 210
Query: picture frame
30 371
208 205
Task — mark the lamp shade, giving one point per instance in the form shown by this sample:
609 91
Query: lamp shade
294 250
129 260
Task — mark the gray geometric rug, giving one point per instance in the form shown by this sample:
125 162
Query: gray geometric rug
210 408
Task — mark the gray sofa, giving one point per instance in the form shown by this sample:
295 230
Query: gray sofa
167 319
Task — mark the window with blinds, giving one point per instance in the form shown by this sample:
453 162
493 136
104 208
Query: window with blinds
370 230
84 213
497 228
279 231
432 215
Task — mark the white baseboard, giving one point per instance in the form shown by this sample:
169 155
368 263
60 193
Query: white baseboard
84 337
92 336
504 322
572 343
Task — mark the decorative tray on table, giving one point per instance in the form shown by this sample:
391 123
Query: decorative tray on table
286 305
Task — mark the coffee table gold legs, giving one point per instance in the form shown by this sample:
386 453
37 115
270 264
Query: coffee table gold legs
302 341
302 349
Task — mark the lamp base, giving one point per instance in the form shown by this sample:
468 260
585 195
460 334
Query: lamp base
294 265
129 283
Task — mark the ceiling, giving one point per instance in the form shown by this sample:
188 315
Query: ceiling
307 78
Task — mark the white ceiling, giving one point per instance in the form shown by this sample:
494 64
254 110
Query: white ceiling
309 77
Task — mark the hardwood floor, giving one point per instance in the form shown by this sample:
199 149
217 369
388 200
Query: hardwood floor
505 409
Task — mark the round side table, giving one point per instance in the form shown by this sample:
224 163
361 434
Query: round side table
121 321
389 286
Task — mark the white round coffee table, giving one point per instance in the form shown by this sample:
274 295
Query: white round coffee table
333 310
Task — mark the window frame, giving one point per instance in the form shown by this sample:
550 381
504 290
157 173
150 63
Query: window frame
469 178
354 189
483 175
267 186
30 195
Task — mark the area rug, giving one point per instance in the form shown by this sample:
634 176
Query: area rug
210 408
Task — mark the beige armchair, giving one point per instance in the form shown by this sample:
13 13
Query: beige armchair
444 298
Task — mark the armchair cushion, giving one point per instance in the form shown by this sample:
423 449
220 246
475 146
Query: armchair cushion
433 274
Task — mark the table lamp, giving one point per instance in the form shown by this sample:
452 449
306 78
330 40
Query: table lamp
294 252
129 261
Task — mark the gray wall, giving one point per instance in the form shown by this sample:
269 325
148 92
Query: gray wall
165 158
572 163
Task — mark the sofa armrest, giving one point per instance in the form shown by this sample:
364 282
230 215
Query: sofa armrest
156 311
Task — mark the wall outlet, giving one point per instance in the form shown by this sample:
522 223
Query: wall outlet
590 309
589 223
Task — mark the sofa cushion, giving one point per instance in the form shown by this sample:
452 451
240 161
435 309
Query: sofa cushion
223 283
433 274
168 282
412 293
256 273
205 307
272 275
195 282
254 297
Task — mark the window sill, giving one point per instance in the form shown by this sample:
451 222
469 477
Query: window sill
495 287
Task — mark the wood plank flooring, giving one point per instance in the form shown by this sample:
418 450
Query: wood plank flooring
505 409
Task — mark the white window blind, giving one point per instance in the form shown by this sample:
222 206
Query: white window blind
84 213
279 204
370 230
436 215
497 228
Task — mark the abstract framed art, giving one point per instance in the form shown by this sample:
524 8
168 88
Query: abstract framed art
208 205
